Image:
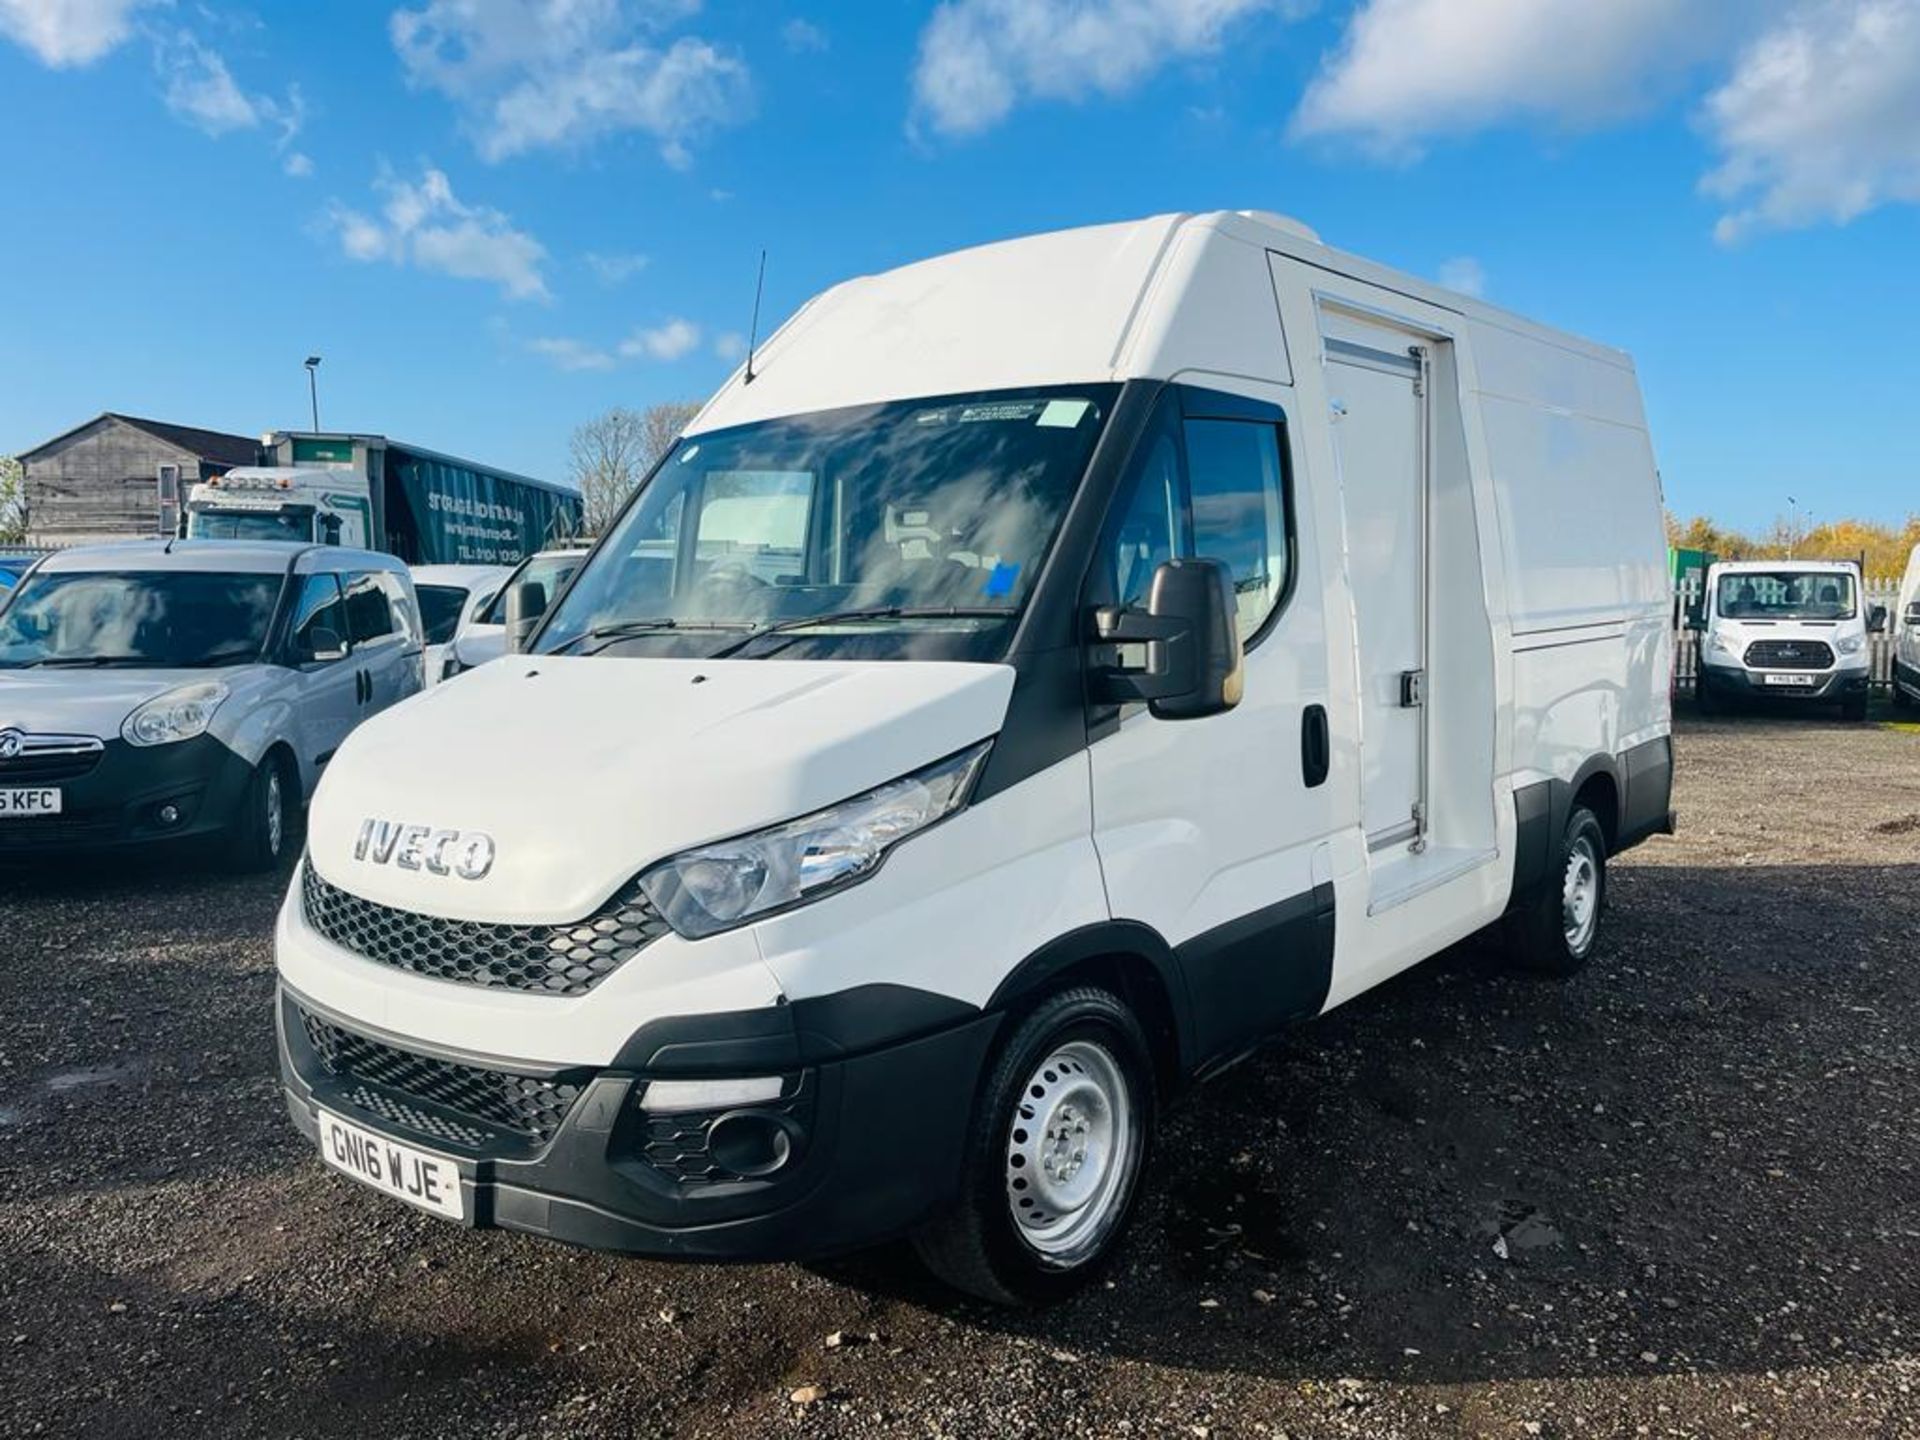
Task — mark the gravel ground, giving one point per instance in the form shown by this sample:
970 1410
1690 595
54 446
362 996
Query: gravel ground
1675 1196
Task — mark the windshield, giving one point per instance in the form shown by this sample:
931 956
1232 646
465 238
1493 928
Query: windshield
296 524
1786 595
548 571
940 509
440 610
156 619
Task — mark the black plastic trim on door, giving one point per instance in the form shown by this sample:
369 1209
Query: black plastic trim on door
1316 746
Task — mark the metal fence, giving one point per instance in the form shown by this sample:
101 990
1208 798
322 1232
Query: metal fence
1686 643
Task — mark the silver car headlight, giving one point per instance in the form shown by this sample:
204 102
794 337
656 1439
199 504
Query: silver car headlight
1850 644
177 714
717 887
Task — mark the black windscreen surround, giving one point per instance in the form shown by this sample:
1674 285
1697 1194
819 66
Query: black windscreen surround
943 509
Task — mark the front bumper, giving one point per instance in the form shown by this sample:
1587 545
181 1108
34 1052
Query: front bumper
116 802
1829 685
873 1139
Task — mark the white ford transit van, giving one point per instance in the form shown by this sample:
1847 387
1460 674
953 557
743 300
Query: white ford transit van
1786 629
1043 673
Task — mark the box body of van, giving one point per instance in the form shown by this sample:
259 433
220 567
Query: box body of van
1786 630
1107 648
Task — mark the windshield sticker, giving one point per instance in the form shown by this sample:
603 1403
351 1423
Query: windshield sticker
1000 580
689 453
1002 410
1063 414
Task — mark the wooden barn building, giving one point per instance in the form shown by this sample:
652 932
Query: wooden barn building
118 477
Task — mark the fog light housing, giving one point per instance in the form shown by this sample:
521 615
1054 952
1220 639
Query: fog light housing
168 814
750 1143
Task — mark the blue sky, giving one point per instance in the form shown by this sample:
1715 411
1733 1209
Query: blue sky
495 218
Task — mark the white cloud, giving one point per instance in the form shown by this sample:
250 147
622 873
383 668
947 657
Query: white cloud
1820 120
730 345
803 37
571 355
1465 274
670 341
68 32
424 224
615 269
1410 70
556 74
298 165
980 58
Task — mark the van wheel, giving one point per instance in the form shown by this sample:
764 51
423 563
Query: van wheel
1555 931
265 823
1053 1157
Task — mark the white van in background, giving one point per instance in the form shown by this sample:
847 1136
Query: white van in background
483 636
451 597
1137 639
1788 630
1906 635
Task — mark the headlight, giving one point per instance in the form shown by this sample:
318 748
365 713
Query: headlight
1721 643
716 887
179 714
1850 644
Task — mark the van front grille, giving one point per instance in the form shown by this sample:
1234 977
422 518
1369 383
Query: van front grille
412 1091
43 759
539 959
1789 655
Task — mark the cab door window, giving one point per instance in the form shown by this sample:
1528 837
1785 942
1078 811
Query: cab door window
319 609
1204 488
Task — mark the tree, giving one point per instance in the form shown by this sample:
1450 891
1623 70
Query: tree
612 453
13 501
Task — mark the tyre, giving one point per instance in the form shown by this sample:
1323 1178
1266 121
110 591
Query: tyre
265 824
1059 1137
1555 931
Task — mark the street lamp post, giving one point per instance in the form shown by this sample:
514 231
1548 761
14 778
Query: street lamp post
313 389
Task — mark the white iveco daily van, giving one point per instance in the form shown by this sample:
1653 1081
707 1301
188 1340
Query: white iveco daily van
1042 674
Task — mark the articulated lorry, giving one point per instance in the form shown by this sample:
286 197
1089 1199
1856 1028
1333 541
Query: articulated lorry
378 494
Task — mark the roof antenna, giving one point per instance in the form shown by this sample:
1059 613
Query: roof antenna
753 331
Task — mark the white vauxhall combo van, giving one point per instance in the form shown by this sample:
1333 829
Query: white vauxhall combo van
1039 675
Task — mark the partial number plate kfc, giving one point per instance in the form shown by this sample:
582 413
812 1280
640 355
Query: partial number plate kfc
15 803
431 1182
1808 680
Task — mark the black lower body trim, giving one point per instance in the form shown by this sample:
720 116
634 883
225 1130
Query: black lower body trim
118 803
1252 976
1734 683
1646 807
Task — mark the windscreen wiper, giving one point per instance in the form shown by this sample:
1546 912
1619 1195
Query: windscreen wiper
854 617
625 629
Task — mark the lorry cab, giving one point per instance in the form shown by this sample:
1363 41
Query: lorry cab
282 502
1049 671
1789 630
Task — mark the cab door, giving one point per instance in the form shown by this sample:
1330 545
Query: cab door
1207 830
329 691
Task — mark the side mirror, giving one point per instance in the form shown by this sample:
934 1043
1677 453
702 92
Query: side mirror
1696 620
526 603
1877 619
325 645
1913 613
1182 655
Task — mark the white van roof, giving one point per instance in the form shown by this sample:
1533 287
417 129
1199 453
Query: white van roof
1144 298
1774 567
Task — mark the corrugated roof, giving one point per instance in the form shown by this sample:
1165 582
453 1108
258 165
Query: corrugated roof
214 445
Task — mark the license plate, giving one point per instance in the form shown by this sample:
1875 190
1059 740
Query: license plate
430 1182
1808 680
14 803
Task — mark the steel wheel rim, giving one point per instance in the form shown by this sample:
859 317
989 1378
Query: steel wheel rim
276 813
1071 1151
1580 895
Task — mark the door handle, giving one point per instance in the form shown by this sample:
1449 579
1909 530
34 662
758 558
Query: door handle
1316 746
362 687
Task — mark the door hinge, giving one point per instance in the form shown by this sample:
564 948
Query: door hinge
1413 689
